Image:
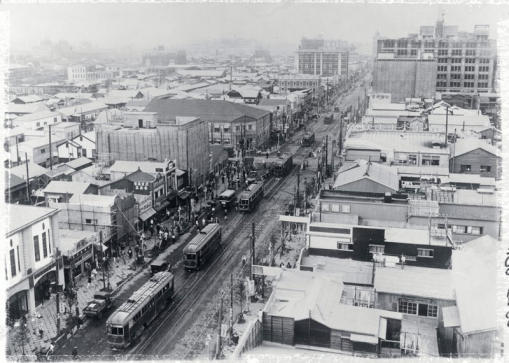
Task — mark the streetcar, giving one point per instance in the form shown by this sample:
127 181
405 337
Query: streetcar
129 321
308 139
202 247
250 197
282 166
227 198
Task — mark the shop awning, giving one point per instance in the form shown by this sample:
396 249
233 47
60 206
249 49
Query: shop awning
147 214
172 194
184 195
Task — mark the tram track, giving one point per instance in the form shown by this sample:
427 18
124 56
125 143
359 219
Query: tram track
234 246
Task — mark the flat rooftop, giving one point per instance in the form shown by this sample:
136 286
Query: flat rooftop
352 272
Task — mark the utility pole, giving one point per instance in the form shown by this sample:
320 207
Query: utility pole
252 249
57 254
28 179
231 304
332 156
17 151
446 123
220 321
326 155
50 152
298 187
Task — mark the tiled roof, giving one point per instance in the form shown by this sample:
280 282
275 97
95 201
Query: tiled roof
207 110
12 181
384 175
61 187
463 146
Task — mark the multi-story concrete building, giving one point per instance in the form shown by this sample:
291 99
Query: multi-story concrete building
149 137
465 62
321 57
30 258
81 73
294 82
404 77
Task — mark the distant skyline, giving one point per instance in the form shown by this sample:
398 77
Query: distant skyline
143 26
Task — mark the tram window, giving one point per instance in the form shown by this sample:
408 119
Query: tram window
117 331
191 256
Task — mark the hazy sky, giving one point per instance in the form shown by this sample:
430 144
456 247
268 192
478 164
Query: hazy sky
175 25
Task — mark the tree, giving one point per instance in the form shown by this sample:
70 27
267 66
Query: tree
241 291
22 333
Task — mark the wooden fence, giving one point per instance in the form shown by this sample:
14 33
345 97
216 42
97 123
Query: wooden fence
252 337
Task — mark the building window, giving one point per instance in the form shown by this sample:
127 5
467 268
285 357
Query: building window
44 246
407 307
19 264
376 249
345 208
442 60
465 168
249 127
432 310
442 68
485 168
455 76
455 68
425 252
468 76
482 76
13 262
456 52
43 151
343 246
90 221
470 52
37 253
442 52
216 129
482 84
484 61
456 60
454 84
412 159
441 76
484 69
226 129
413 51
470 60
468 84
325 207
469 69
237 128
441 84
335 207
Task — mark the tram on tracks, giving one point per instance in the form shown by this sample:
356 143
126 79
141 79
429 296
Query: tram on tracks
129 321
202 247
308 139
249 198
278 166
227 198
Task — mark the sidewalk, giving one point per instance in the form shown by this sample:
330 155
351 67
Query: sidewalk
45 316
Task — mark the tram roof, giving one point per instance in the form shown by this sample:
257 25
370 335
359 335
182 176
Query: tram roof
199 240
227 193
139 297
250 190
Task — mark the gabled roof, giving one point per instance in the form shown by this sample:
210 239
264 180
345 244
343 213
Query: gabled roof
432 283
82 108
29 98
35 116
34 170
140 176
66 187
208 110
12 181
362 169
26 108
463 146
79 162
93 199
474 267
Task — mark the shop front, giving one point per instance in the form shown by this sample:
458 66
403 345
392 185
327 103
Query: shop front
75 264
43 282
17 306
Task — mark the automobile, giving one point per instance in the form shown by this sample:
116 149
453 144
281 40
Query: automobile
99 305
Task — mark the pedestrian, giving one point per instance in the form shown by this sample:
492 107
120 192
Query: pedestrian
75 353
50 350
130 253
94 273
89 281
